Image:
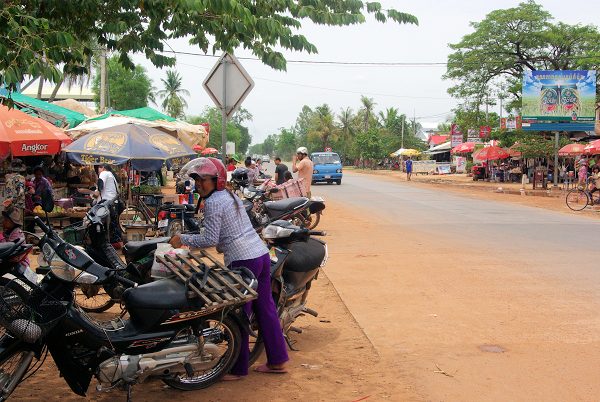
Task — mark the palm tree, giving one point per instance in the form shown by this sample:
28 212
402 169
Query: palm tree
368 105
172 94
325 130
346 129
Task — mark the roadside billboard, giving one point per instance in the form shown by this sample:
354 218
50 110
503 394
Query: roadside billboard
559 96
456 137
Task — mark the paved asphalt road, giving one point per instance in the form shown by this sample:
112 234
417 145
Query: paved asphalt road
562 243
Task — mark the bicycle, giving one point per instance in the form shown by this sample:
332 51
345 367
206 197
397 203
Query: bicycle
580 197
168 218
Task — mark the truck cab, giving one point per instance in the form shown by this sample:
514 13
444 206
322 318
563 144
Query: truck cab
327 167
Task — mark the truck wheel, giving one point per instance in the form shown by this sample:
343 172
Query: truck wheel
338 182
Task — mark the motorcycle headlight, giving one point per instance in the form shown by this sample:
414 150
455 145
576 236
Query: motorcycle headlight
65 271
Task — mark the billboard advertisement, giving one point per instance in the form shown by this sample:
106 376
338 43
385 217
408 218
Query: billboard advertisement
559 96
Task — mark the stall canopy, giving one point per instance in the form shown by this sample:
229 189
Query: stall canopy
464 148
406 152
57 115
491 153
439 149
189 134
146 148
25 135
572 149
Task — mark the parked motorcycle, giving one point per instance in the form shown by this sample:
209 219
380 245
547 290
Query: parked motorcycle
169 336
296 259
300 210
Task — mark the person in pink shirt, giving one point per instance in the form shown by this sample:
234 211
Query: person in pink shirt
11 225
304 167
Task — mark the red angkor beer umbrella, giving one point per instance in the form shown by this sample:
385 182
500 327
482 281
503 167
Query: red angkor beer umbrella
572 150
25 135
491 154
208 151
592 148
464 148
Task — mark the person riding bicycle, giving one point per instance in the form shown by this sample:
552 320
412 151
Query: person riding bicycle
227 226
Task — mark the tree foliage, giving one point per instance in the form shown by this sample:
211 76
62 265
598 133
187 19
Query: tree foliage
235 130
508 41
173 94
127 89
319 127
37 36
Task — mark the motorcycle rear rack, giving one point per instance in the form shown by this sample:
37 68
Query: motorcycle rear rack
207 278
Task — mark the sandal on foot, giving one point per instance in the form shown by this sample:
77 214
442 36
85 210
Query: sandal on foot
264 368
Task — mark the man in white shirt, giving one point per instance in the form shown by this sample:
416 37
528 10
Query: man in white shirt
108 188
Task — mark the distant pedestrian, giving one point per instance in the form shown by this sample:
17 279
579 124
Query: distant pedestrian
280 170
582 170
409 168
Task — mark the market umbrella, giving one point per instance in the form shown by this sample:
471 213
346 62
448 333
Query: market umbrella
25 135
406 152
592 148
491 153
572 149
464 148
514 153
208 151
146 148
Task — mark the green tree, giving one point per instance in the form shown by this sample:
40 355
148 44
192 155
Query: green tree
470 119
506 42
286 144
127 89
172 94
347 131
323 131
303 125
38 36
367 111
368 145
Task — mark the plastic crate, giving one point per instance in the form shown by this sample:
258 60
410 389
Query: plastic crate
74 234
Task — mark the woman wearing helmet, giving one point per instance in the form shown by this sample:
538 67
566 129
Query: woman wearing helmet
227 226
304 167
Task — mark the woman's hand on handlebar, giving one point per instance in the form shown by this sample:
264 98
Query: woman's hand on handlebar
176 241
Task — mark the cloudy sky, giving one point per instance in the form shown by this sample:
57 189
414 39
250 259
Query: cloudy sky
415 90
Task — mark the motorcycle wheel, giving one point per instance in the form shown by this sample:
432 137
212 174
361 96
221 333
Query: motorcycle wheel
313 221
229 334
93 298
130 216
175 228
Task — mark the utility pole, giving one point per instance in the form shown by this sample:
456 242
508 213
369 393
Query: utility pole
103 77
402 138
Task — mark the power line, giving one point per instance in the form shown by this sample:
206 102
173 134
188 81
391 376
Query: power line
333 89
366 63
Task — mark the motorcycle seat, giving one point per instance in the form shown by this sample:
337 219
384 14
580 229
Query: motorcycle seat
135 250
288 204
161 294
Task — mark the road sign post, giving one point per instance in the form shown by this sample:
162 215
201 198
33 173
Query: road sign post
227 84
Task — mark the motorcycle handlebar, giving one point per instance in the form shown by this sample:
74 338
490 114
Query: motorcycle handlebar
317 233
124 281
38 221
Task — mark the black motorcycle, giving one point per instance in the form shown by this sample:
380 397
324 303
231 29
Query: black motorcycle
296 259
93 237
299 210
169 335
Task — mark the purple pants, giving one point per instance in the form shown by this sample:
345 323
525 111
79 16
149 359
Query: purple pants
266 314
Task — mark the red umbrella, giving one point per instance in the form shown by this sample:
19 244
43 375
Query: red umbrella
572 149
464 148
592 148
209 151
25 135
490 154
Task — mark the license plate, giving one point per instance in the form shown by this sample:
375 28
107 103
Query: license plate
328 177
163 224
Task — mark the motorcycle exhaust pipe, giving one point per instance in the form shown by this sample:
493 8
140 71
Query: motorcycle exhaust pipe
310 311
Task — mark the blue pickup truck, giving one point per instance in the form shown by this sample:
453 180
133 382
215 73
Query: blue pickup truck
327 166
